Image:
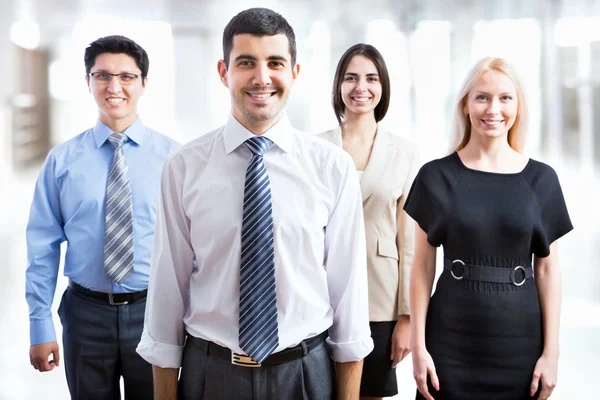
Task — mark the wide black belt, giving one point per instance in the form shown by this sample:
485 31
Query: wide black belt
242 360
460 270
115 299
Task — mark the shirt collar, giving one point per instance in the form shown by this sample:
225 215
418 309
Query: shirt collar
135 132
236 134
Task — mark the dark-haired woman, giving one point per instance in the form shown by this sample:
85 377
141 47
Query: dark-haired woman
386 165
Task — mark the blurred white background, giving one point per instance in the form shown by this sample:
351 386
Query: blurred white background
428 46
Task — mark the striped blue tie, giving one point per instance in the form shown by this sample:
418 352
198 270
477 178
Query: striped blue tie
258 332
118 234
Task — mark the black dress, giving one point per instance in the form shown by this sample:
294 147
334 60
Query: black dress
485 338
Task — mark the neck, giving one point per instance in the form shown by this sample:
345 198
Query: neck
488 148
118 125
363 126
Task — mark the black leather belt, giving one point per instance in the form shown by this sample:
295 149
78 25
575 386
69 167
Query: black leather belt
115 299
242 360
515 275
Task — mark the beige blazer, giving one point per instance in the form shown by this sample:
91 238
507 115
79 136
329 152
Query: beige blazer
384 185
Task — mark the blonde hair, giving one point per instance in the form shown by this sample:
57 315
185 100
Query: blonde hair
461 127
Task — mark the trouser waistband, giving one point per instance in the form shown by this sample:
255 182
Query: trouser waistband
285 355
115 299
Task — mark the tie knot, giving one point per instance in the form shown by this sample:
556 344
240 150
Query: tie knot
117 139
258 145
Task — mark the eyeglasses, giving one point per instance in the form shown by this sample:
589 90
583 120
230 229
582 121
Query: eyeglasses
105 77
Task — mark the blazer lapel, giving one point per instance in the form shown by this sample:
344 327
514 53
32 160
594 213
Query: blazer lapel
381 154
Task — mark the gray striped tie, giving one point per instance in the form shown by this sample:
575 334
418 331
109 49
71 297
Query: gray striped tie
118 234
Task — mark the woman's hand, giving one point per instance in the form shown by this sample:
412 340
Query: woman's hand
423 365
545 371
401 340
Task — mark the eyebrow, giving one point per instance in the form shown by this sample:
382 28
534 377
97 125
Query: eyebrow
253 58
122 72
355 74
482 92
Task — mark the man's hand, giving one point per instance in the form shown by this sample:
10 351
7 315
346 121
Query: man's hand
401 340
348 379
40 353
165 383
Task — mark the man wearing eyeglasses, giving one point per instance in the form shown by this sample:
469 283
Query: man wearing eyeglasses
98 192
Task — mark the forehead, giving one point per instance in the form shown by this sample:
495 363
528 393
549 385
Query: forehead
261 46
361 64
494 81
115 62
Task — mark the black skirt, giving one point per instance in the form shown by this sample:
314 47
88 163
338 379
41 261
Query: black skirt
378 377
484 338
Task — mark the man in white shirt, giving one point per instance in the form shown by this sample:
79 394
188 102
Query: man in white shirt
259 249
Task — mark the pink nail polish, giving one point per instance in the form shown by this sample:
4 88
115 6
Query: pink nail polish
531 392
437 387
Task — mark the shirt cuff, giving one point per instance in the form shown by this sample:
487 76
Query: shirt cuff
159 354
352 351
403 309
41 331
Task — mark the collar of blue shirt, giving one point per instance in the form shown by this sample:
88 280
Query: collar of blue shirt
135 132
280 134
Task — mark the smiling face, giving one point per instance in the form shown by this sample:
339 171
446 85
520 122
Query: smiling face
492 105
361 87
117 103
259 78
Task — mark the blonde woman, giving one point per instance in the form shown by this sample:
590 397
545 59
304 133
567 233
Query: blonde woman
386 165
490 331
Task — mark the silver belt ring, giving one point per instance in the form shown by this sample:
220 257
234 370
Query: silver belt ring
519 267
458 278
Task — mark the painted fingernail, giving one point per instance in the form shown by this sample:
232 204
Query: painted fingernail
437 387
531 392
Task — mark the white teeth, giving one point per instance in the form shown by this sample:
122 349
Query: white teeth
361 98
490 122
115 101
260 95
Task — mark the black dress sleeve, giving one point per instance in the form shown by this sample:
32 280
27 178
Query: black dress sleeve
424 203
555 220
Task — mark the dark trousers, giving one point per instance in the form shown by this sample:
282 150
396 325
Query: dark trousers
210 377
99 342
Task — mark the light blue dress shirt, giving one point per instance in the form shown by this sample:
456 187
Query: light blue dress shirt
68 205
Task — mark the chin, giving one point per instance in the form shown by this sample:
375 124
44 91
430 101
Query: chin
259 117
495 135
115 113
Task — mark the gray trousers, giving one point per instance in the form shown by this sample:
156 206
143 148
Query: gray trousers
99 342
210 377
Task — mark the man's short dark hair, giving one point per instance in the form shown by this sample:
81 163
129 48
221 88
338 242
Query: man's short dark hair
117 44
258 22
370 52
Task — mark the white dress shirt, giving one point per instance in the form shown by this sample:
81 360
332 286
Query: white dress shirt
318 228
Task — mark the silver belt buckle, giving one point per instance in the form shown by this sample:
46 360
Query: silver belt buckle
113 303
243 361
458 278
518 267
